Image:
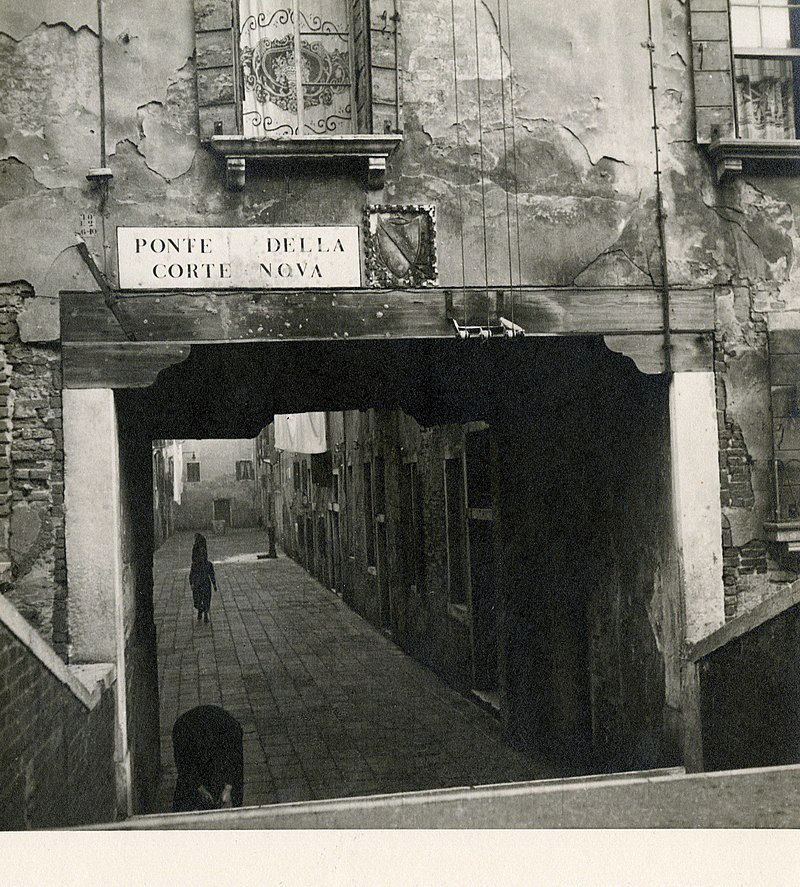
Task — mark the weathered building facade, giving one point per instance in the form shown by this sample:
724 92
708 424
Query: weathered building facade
219 489
569 234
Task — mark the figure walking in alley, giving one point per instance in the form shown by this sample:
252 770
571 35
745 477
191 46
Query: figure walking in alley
201 577
209 756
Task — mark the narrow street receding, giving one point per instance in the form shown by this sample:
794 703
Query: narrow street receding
330 707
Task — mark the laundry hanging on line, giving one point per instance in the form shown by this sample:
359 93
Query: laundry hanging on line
301 432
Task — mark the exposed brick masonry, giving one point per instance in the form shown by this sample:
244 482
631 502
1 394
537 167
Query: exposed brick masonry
32 477
736 491
56 757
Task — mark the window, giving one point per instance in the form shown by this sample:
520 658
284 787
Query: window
479 470
369 515
456 542
412 548
296 476
192 472
746 65
244 470
291 93
765 36
276 74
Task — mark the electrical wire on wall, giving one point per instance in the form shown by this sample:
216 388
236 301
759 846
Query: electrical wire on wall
660 214
505 149
458 160
514 155
483 179
101 176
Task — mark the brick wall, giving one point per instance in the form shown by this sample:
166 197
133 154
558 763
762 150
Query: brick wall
736 491
32 477
56 756
750 696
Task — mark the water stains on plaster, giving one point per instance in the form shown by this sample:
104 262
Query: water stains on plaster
50 126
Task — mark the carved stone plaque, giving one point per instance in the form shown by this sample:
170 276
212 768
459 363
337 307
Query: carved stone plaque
400 245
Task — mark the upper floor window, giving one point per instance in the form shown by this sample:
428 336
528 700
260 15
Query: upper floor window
766 50
192 472
297 65
284 78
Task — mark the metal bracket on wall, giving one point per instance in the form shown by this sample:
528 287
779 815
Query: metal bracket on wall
504 328
496 326
109 295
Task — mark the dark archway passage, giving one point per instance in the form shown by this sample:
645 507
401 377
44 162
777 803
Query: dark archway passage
582 534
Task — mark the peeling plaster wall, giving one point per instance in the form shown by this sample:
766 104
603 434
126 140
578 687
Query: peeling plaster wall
574 157
740 236
557 187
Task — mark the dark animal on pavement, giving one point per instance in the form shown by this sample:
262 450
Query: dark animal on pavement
209 756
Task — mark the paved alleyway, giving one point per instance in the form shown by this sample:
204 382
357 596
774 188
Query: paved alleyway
329 707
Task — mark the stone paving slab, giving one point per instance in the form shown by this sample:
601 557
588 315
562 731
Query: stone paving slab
328 705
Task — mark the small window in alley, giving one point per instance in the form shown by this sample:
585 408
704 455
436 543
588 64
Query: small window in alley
412 529
479 486
296 476
380 485
244 470
369 515
454 512
192 472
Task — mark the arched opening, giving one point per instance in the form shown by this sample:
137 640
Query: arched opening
520 487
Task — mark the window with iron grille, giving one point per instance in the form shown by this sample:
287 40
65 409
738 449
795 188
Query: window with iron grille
412 529
297 69
746 69
456 531
369 515
765 35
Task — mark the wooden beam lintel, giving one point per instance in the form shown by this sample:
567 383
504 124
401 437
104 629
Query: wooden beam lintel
273 315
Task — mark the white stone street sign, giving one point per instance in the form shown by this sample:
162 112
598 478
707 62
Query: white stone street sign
238 258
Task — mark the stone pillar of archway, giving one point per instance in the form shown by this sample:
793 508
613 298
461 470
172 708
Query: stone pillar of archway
698 536
92 505
93 540
697 510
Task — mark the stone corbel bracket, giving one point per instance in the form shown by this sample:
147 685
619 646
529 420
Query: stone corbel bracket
374 149
732 157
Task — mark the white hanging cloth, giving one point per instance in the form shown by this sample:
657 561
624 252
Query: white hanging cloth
301 433
177 471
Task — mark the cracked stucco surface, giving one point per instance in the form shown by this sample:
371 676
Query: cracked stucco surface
50 125
567 171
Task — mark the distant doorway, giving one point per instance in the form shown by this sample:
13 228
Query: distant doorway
222 511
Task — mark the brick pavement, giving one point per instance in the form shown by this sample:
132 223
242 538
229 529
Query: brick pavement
329 707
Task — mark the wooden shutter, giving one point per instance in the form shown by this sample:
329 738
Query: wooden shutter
784 348
711 65
376 26
214 56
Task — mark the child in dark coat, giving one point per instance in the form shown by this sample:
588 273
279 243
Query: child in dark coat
201 577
